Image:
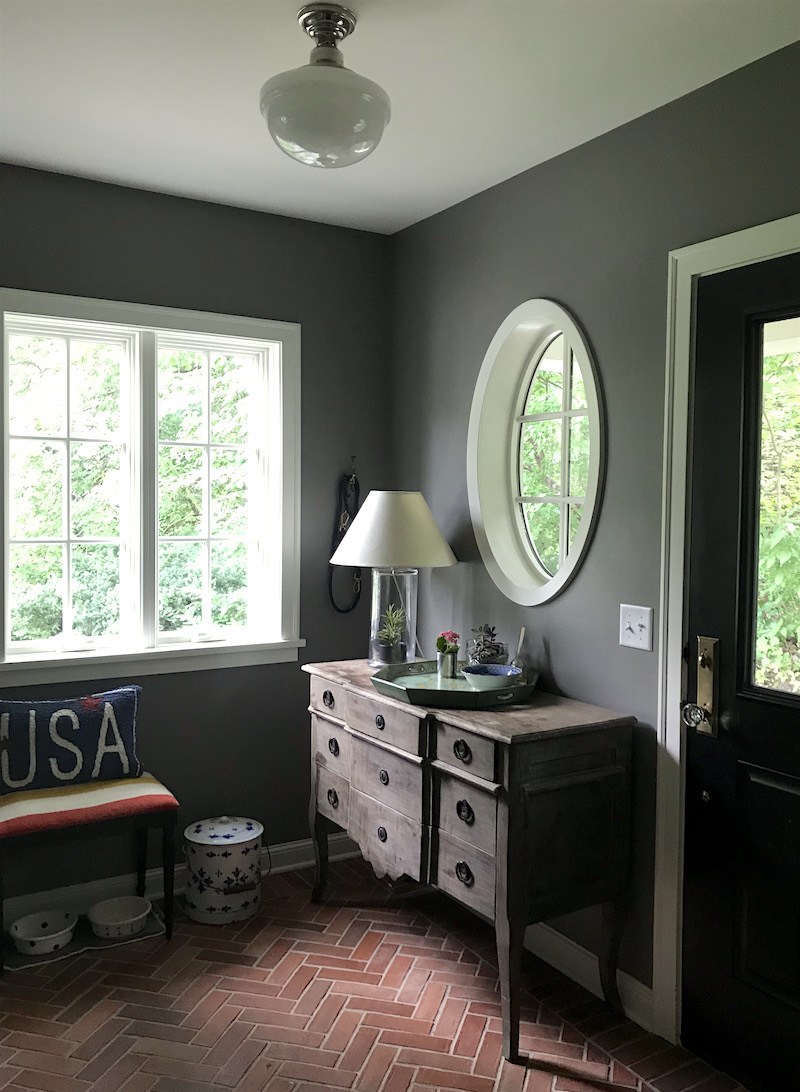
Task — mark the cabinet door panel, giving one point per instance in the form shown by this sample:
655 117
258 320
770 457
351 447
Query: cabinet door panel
576 840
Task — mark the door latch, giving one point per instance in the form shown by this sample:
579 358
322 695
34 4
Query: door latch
702 714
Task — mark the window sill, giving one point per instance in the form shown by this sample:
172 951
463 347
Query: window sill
33 670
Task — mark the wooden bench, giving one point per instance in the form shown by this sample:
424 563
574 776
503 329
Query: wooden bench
72 812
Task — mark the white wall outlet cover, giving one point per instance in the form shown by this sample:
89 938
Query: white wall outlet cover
636 626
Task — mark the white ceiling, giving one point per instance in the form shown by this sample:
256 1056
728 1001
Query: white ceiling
163 94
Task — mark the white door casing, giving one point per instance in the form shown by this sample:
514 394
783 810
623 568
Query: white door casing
771 240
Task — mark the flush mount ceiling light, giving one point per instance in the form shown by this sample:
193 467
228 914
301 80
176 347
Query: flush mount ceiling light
323 114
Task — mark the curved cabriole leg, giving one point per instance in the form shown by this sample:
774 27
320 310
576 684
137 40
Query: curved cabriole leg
613 920
510 935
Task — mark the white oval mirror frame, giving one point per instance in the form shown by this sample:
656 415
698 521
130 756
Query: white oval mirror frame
492 454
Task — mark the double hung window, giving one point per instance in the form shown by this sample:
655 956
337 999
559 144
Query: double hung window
150 470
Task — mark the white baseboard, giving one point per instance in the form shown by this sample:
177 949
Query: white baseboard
554 948
579 964
79 897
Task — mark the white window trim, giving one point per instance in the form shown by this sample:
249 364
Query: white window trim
35 668
492 458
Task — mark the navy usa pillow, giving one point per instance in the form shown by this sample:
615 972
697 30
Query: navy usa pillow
53 743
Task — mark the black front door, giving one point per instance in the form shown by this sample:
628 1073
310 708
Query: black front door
741 920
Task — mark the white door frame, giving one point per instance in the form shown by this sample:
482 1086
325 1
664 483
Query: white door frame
755 244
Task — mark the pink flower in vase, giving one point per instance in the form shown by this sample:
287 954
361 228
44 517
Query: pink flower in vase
448 641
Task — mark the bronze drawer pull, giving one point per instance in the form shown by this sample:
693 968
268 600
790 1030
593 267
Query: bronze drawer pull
380 723
464 873
382 835
333 746
327 699
384 777
462 751
465 813
333 798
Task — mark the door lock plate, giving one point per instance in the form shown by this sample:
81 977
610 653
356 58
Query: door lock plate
707 684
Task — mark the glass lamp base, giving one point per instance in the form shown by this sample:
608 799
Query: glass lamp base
393 622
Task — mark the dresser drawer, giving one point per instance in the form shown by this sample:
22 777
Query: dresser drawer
330 745
465 751
391 842
467 812
387 777
466 873
328 697
333 795
375 718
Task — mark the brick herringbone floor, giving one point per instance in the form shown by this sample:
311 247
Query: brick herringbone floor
356 994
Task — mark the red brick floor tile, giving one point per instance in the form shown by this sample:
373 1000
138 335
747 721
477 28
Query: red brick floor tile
373 997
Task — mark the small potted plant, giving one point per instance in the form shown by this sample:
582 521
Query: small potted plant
447 645
484 648
389 645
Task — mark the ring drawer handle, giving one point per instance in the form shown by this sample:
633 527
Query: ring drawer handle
465 813
464 874
333 798
384 776
327 699
333 746
380 723
461 750
382 835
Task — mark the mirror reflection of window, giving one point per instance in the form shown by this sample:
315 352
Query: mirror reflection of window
553 454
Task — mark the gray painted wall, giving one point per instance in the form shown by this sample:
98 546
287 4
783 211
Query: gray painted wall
233 741
592 230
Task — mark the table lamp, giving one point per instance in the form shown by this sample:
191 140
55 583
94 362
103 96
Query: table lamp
395 534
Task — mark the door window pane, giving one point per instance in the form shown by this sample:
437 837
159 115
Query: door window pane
776 657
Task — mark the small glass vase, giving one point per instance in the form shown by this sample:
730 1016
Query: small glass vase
446 664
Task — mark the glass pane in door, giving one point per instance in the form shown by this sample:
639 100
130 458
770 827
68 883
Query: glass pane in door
776 661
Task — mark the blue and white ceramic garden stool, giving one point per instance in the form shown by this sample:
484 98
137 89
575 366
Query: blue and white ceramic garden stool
224 860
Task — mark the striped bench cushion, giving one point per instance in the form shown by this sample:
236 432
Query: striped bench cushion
72 805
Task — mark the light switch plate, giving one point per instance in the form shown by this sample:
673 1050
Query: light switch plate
636 626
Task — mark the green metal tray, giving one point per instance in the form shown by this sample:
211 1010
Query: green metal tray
419 684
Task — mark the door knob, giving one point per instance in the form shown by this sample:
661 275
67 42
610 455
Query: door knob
693 715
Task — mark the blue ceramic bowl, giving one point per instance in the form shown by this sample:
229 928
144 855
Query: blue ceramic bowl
491 676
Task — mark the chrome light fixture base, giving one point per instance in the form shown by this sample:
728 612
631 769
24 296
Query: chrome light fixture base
323 114
327 24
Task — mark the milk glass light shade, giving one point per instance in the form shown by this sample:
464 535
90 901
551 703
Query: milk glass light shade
323 114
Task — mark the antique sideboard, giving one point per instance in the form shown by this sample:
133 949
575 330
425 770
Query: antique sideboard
520 813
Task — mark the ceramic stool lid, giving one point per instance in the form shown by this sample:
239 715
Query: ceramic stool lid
224 830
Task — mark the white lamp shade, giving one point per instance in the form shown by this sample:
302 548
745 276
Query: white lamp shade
325 115
394 530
